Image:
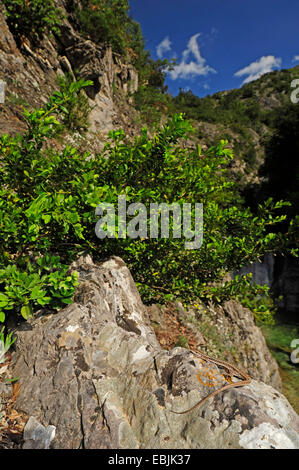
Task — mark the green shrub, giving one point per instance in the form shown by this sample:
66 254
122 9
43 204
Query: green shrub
253 296
43 283
158 169
107 21
151 103
33 18
182 342
31 201
47 212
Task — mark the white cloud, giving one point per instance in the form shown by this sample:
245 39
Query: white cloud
206 86
295 58
194 67
163 47
258 68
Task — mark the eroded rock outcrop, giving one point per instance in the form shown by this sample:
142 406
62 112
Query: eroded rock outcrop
96 373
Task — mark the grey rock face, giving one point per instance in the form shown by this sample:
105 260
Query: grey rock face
30 75
96 372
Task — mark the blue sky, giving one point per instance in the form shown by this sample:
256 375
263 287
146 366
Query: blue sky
219 44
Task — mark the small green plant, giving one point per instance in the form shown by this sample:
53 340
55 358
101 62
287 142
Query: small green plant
5 343
182 342
262 304
43 283
76 105
151 103
16 100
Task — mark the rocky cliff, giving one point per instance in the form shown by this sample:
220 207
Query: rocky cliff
31 74
96 375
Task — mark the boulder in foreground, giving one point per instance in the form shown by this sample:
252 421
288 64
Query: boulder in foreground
96 373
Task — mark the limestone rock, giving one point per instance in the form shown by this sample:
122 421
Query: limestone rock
96 372
36 436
